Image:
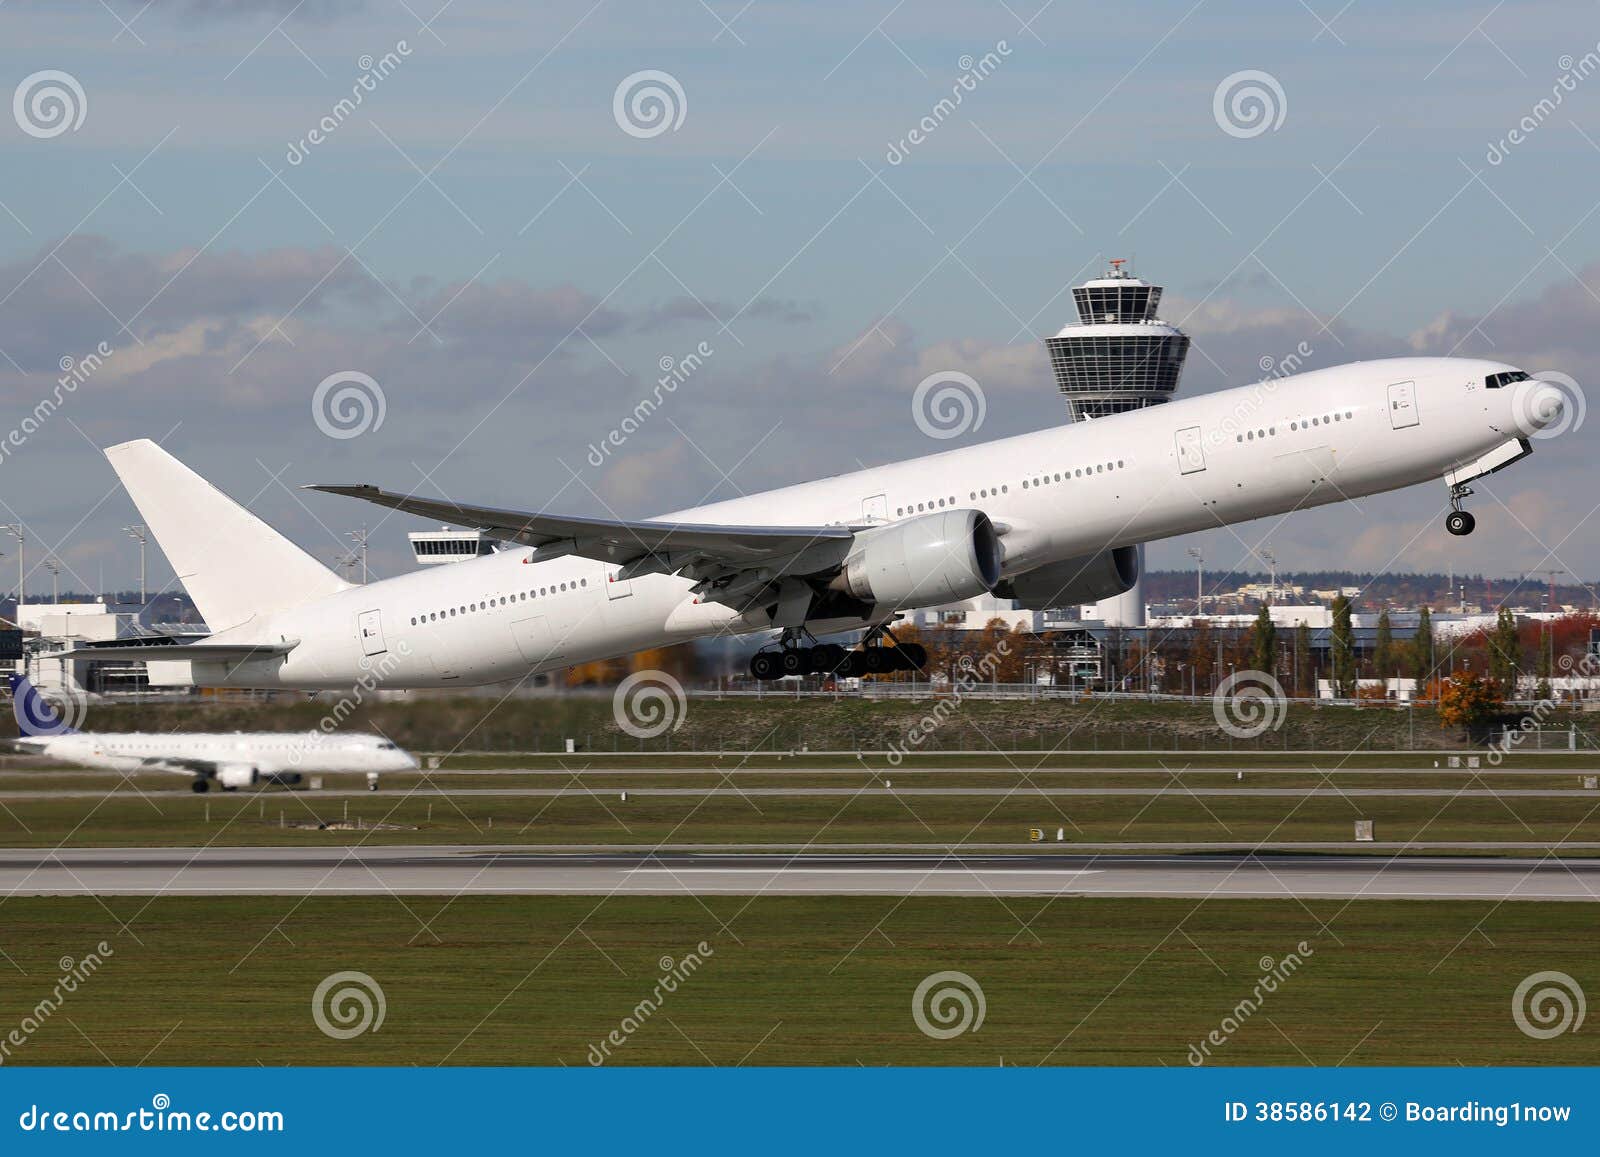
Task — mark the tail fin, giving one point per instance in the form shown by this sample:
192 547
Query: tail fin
233 565
36 719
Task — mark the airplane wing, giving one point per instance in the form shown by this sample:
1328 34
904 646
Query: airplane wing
608 539
180 764
189 652
796 573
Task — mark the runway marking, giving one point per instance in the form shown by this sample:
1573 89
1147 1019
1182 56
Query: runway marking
779 869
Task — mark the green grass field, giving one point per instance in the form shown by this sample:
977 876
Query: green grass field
179 818
538 980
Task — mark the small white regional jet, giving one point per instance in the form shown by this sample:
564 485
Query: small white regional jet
233 759
1049 519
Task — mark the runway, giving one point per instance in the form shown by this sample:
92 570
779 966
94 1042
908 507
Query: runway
451 871
845 791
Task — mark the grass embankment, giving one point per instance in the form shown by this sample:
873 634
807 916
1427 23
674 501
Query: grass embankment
178 818
537 980
422 722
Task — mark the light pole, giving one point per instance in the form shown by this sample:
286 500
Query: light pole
14 529
1199 580
54 568
1272 565
140 534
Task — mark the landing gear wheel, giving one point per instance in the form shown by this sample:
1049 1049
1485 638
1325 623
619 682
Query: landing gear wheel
1459 522
914 656
854 665
878 660
765 666
795 660
827 658
200 787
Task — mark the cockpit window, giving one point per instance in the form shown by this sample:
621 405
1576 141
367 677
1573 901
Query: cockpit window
1495 381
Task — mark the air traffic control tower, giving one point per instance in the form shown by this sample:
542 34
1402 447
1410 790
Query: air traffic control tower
1119 356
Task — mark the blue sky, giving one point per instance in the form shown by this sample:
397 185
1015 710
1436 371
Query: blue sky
485 241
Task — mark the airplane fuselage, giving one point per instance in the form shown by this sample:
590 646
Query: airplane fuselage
1190 465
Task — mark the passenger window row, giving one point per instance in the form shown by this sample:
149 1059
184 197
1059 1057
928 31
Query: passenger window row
1297 424
500 601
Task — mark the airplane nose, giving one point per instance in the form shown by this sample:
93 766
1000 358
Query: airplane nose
1539 406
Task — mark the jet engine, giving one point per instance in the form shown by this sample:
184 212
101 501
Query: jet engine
233 776
1087 579
934 558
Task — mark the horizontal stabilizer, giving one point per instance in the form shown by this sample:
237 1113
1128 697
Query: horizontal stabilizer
186 652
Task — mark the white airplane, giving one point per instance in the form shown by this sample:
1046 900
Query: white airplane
1049 519
231 759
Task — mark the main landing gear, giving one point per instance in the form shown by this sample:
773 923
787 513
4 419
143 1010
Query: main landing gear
792 657
1459 521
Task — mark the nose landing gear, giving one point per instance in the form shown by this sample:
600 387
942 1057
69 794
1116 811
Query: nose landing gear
1458 521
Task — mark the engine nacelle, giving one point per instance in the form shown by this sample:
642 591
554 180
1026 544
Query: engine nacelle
1076 580
936 558
236 775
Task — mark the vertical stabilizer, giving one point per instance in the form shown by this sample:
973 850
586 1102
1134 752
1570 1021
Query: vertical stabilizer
234 566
